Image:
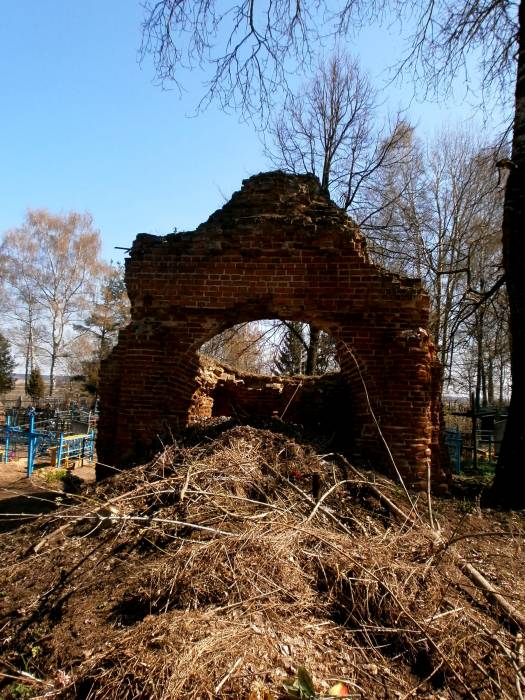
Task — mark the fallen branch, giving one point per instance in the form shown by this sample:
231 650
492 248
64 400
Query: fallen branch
325 495
491 593
115 518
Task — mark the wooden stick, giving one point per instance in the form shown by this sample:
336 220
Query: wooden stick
232 669
324 497
394 509
491 593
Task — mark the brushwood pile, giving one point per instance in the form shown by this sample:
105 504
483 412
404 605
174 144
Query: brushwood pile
244 563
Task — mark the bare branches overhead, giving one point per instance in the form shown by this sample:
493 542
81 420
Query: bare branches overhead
329 127
251 47
248 49
448 32
248 45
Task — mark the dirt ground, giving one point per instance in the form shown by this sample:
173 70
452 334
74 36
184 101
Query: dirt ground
13 477
20 495
242 563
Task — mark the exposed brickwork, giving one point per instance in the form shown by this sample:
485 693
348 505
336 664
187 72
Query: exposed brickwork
278 249
317 403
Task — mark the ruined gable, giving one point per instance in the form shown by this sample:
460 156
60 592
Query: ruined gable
278 249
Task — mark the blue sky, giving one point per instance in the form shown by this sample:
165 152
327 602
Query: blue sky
84 127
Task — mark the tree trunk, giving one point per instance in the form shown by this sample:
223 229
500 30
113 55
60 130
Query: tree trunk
313 351
484 397
490 381
501 380
29 358
481 391
52 374
508 488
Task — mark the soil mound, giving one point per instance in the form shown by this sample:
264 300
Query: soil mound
249 566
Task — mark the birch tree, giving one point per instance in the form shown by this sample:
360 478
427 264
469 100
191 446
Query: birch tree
22 309
52 263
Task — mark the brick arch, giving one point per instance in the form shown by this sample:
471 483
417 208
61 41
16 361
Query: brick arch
343 388
246 315
278 249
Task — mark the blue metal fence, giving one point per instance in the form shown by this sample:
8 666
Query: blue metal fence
39 440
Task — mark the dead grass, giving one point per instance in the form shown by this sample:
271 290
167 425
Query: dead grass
212 572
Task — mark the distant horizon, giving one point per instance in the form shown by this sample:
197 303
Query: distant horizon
45 377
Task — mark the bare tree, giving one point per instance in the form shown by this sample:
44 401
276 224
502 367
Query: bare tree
498 348
329 128
22 309
448 34
463 229
272 346
509 484
241 347
108 311
302 348
401 208
482 353
61 262
444 228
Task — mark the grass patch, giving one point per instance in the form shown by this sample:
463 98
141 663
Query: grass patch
53 476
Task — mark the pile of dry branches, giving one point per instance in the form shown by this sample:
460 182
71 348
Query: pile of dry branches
219 570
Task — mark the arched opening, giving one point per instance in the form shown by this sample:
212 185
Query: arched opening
255 371
274 347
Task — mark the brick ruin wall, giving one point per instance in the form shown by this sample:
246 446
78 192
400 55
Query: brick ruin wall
315 403
279 249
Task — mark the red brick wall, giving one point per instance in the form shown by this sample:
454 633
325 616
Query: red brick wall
316 403
278 249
